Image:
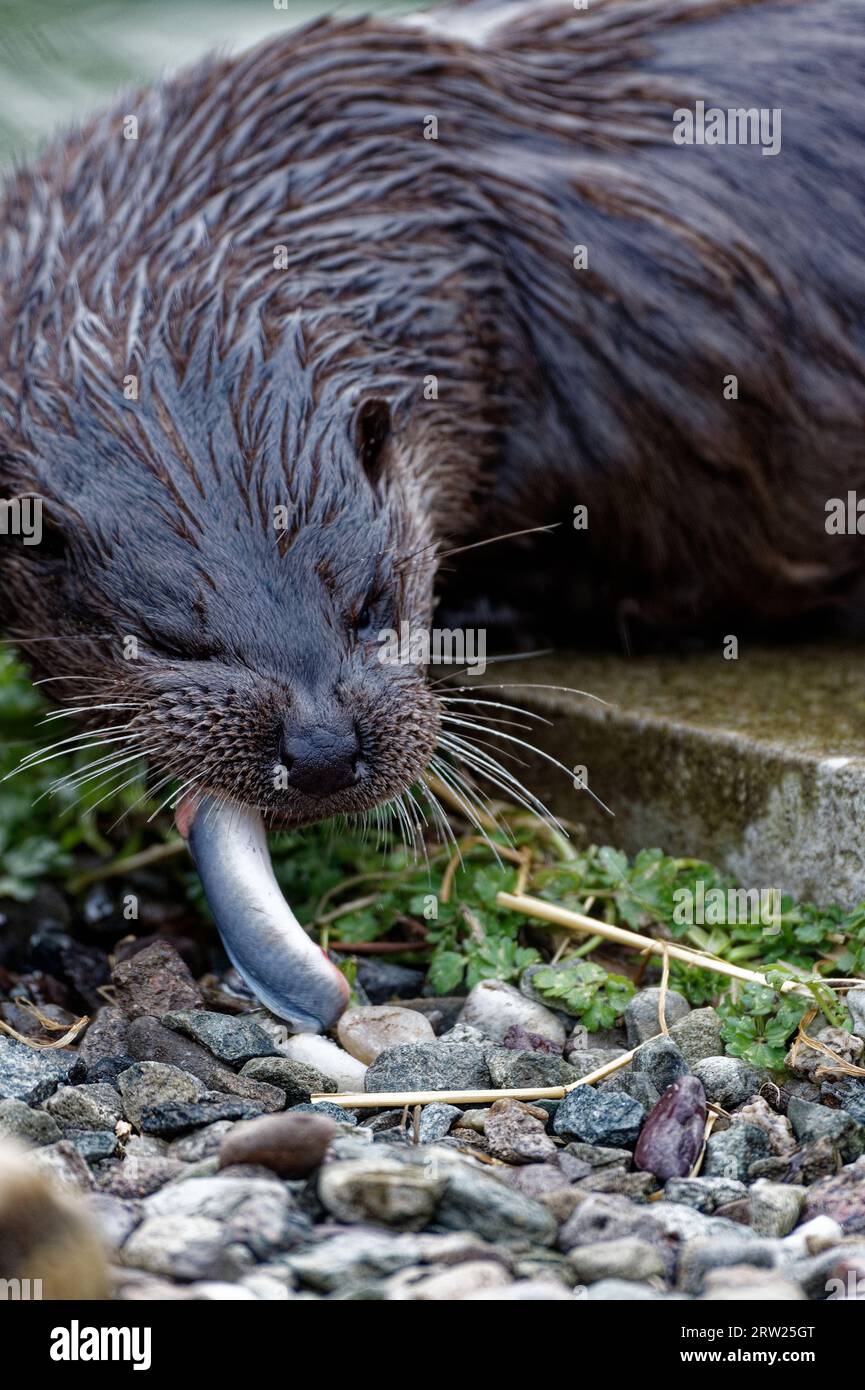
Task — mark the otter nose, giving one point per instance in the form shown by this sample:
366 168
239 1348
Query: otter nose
321 761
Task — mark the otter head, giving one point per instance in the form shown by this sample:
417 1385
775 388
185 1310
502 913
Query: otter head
226 567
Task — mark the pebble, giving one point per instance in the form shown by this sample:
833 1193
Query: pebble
633 1084
19 1121
291 1145
297 1080
258 1212
774 1208
661 1061
32 1074
138 1175
185 1247
745 1284
354 1257
201 1143
849 1094
345 1071
598 1117
584 1062
113 1218
698 1035
437 1120
446 1286
149 1041
628 1258
804 1061
477 1202
818 1159
231 1039
169 1119
521 1041
642 1019
85 1107
324 1107
494 1007
147 1084
105 1035
437 1066
155 980
698 1257
855 1001
381 1190
812 1122
510 1070
366 1032
516 1133
728 1081
811 1236
842 1197
777 1127
704 1193
623 1291
731 1153
93 1144
525 1291
595 1155
672 1136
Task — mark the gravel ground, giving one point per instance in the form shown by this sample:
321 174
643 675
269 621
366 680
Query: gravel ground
180 1124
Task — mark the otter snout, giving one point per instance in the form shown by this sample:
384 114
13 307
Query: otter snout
320 760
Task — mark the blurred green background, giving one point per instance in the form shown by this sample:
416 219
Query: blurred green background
60 61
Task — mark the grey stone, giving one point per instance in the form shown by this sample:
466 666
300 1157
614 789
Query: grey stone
258 1212
185 1247
661 1061
324 1107
438 1066
155 1083
596 1156
85 1107
623 1291
698 1257
168 1119
353 1258
137 1175
855 1001
381 1190
698 1035
628 1258
642 1019
494 1007
149 1041
232 1039
298 1080
731 1153
596 1117
436 1121
704 1193
19 1121
585 1062
511 1070
201 1143
728 1080
32 1074
115 1219
105 1036
93 1144
774 1207
842 1197
634 1084
383 981
812 1122
477 1202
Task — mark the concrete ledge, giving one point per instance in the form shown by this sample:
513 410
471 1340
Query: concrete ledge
756 764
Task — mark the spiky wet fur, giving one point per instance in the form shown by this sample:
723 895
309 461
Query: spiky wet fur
405 259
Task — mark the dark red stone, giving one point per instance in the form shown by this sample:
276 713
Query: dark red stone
672 1135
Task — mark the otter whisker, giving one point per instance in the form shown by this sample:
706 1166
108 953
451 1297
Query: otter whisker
541 753
493 704
530 685
482 742
468 801
26 766
501 777
494 661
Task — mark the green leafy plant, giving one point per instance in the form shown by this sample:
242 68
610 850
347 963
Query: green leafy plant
594 995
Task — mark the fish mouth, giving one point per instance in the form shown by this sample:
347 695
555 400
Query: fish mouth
263 939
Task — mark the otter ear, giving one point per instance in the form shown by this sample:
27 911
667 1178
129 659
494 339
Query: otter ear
372 432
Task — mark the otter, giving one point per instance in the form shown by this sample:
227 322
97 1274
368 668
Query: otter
281 332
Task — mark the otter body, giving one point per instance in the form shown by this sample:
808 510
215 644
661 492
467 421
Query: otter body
282 299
